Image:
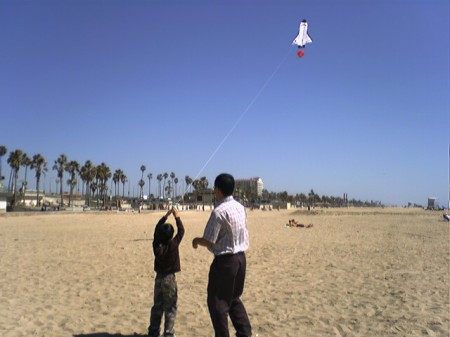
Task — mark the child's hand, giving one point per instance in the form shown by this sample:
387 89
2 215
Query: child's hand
169 212
175 212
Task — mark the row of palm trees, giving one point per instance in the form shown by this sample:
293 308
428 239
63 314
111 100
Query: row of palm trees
95 182
94 177
314 199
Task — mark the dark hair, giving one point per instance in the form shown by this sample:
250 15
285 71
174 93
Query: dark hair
225 183
165 233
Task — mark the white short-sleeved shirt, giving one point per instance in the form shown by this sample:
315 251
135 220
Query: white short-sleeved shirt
227 228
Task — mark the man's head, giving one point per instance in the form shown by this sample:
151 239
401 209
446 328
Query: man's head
225 184
165 233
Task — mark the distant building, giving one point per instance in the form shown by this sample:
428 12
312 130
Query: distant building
253 185
431 203
5 199
281 205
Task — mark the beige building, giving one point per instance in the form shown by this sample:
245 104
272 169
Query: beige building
253 185
3 203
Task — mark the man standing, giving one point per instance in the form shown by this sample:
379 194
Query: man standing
226 236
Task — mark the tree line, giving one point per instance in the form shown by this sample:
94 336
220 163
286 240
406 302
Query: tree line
313 199
95 180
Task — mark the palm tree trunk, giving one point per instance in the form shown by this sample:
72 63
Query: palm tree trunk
88 193
26 183
16 176
10 179
37 193
61 191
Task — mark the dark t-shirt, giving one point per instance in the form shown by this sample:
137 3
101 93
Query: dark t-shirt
167 257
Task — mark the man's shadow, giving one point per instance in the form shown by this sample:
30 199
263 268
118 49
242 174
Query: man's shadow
105 334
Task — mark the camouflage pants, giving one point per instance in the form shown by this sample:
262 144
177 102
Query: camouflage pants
164 303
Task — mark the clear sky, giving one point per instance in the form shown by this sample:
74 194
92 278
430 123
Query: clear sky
162 83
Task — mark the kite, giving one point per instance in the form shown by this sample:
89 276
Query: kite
302 38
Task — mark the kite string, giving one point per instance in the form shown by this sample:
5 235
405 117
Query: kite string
238 120
241 116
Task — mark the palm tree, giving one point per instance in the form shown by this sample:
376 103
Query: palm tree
59 167
3 151
204 186
39 164
172 177
168 188
165 175
117 176
303 199
26 162
123 179
196 184
14 161
188 180
159 177
200 185
103 174
175 181
93 187
141 182
88 172
311 196
72 168
149 176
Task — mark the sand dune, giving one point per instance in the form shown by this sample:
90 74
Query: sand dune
356 272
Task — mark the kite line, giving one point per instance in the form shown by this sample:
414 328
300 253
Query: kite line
269 79
301 40
242 116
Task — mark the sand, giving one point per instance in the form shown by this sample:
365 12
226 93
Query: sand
356 272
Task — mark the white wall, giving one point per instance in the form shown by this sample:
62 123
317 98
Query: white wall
2 205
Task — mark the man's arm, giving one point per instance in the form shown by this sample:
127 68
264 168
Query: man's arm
201 242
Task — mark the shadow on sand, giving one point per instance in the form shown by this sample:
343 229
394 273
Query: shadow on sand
105 334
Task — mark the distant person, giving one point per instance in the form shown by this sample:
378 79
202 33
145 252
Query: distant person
293 223
167 263
226 236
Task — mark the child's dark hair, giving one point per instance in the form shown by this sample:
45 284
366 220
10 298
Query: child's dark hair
165 233
225 183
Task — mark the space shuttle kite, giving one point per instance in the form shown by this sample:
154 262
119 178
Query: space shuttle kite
302 38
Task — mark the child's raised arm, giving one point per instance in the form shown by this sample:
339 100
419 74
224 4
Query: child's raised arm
175 212
169 212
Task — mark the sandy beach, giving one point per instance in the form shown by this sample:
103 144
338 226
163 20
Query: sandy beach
356 272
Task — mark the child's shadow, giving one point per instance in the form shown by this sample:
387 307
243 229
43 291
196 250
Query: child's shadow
105 334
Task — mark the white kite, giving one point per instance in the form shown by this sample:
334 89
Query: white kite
302 38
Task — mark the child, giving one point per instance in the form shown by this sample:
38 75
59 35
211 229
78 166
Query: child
167 263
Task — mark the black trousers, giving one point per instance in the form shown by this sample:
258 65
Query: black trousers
225 286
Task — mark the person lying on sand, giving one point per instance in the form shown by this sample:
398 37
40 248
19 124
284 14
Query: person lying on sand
293 223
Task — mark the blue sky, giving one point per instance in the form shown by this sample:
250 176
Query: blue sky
161 83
